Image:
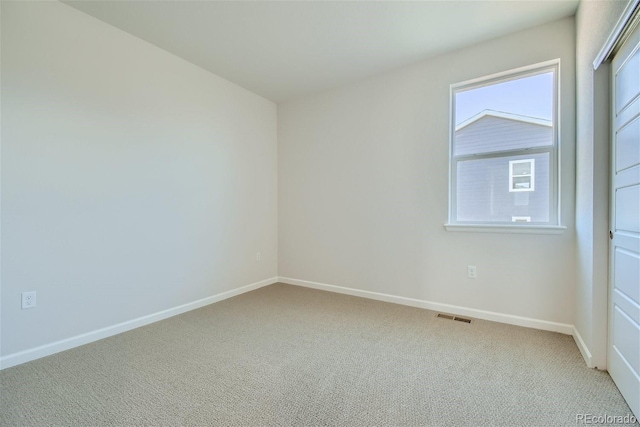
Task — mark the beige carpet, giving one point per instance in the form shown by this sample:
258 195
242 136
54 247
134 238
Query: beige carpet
284 355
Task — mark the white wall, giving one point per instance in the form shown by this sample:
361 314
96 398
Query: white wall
132 181
363 185
594 22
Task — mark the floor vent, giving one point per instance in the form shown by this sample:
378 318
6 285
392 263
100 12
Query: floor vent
445 316
450 317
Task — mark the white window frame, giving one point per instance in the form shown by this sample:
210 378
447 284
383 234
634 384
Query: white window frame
531 175
554 225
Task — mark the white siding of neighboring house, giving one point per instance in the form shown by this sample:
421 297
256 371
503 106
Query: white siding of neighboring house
490 133
483 184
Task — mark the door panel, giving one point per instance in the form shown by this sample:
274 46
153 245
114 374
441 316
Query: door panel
624 294
628 81
626 305
627 149
626 338
628 209
625 264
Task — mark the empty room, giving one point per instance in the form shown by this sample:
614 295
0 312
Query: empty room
349 213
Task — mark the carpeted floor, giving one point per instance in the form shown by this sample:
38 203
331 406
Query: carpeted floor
284 355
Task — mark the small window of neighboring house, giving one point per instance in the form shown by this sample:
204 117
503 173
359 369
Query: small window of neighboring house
504 149
522 175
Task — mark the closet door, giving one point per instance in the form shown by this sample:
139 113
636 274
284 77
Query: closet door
624 296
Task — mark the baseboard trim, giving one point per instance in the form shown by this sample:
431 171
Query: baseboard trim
584 350
78 340
528 322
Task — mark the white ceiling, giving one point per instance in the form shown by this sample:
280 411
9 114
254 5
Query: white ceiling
287 49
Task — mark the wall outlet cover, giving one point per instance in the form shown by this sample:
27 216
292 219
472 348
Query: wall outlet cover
28 299
472 272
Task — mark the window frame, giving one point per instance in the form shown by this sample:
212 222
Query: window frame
554 224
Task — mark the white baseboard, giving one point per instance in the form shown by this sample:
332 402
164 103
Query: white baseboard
584 350
528 322
78 340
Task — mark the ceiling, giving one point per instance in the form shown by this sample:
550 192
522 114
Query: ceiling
288 49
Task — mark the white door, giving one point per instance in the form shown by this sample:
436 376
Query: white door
624 296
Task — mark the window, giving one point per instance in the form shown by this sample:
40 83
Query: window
504 149
522 175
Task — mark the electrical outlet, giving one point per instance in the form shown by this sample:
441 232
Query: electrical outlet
472 272
258 256
28 299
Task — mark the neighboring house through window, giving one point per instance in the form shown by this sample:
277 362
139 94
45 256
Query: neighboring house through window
504 149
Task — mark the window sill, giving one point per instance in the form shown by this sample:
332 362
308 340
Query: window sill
516 229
